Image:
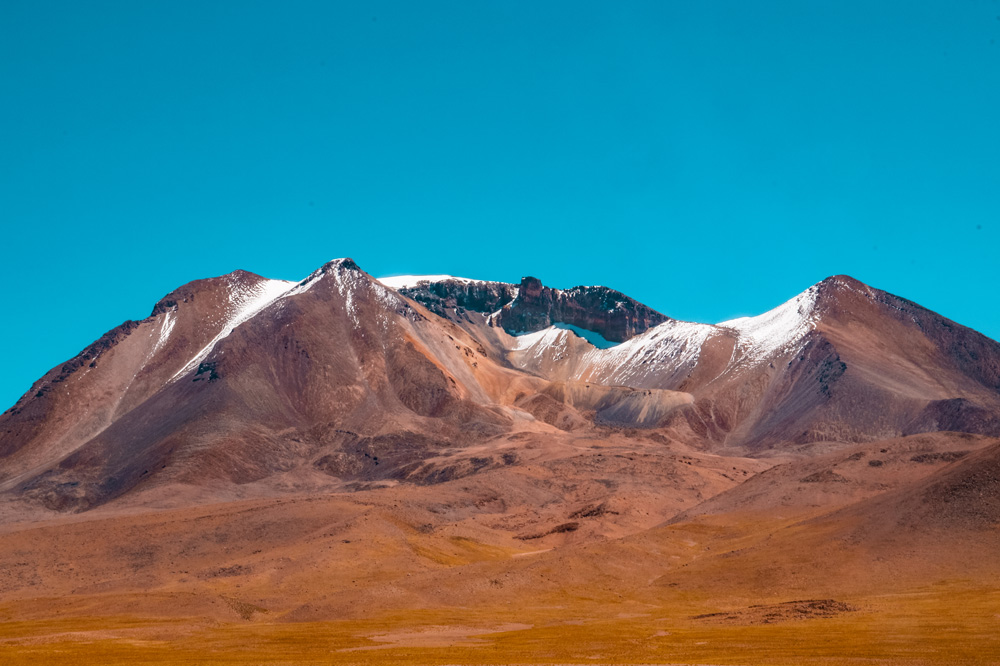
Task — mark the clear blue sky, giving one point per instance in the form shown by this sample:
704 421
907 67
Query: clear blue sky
711 159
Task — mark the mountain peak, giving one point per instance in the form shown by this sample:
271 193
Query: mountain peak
842 280
782 328
838 286
240 274
238 280
778 329
342 264
334 266
840 361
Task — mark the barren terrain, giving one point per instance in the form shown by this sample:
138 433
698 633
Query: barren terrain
337 471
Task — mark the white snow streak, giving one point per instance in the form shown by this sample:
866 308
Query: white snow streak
778 330
244 302
166 326
549 343
350 281
305 285
546 337
664 349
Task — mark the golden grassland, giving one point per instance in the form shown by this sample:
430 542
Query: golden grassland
948 623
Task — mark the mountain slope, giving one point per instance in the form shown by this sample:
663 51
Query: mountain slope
78 400
304 372
839 362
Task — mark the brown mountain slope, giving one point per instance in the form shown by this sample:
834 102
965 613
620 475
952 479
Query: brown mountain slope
916 531
840 362
75 402
833 477
870 368
338 372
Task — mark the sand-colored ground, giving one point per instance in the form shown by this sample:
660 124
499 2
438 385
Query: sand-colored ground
533 564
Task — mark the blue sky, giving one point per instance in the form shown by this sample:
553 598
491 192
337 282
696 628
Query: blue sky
711 159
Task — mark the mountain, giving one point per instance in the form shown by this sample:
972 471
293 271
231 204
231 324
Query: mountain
241 378
839 362
500 471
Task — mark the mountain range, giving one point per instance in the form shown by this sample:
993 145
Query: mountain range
345 447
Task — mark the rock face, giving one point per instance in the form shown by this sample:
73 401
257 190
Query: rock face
606 311
532 306
448 297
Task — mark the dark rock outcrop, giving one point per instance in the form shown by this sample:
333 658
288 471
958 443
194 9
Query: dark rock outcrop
600 309
447 297
532 306
956 415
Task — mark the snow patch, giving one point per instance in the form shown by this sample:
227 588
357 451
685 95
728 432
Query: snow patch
667 353
666 348
670 350
305 285
546 336
166 326
548 341
406 281
777 330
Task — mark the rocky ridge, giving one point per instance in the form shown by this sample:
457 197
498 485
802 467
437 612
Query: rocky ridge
531 306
